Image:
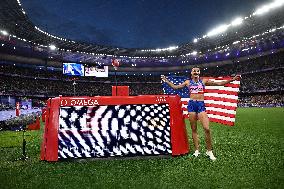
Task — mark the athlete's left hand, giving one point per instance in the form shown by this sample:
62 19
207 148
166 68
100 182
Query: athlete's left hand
237 77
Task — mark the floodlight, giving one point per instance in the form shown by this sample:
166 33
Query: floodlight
261 10
266 8
172 48
195 40
237 21
276 3
218 30
4 32
52 47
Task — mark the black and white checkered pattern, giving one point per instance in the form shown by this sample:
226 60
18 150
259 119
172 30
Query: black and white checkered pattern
114 130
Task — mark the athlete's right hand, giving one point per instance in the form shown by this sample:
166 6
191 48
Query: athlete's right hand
164 79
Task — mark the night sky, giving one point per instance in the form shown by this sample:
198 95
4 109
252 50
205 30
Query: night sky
135 23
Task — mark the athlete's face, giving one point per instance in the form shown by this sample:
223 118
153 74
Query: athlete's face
195 72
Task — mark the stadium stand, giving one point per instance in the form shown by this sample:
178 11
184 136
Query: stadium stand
261 77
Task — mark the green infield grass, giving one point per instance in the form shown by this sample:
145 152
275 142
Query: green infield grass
249 155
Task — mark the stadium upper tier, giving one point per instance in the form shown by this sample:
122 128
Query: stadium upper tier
15 23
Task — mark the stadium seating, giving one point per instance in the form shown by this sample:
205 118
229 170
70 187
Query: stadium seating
262 75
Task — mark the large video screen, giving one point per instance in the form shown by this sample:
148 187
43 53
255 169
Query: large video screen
73 69
96 71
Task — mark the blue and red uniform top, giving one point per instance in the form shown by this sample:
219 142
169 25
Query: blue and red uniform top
196 87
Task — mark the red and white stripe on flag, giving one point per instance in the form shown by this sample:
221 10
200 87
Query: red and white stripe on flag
220 101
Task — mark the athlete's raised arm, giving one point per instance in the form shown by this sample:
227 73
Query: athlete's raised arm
208 82
182 85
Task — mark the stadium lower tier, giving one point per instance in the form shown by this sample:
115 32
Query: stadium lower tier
84 127
271 80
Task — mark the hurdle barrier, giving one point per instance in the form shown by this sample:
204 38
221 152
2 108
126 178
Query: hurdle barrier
18 109
110 126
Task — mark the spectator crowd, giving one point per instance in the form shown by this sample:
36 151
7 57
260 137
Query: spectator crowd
260 77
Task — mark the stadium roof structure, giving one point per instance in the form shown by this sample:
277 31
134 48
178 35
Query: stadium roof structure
251 26
15 21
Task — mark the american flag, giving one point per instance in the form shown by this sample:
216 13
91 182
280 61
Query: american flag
220 101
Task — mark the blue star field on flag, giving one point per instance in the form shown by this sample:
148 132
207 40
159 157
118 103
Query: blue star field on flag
183 93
